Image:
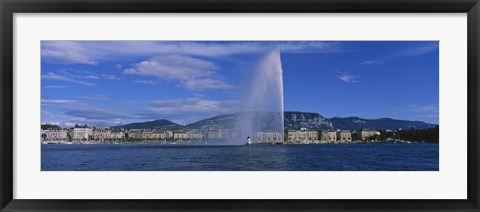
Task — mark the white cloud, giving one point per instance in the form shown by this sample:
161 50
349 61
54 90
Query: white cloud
429 111
95 114
90 77
175 67
102 98
189 109
348 78
196 74
53 76
376 62
82 115
66 52
145 82
57 86
185 105
419 50
78 77
55 123
200 84
110 77
58 102
90 52
67 124
72 121
307 47
118 66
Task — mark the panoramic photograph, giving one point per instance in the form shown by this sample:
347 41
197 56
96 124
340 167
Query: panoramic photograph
239 105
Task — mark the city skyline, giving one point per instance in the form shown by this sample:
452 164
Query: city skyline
108 83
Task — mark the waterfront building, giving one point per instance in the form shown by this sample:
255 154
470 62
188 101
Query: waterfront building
101 133
302 136
194 135
312 135
117 135
187 135
328 136
365 134
344 136
147 135
156 135
54 134
180 136
293 136
82 133
269 137
143 134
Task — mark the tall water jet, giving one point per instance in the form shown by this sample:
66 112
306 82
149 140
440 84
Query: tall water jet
262 116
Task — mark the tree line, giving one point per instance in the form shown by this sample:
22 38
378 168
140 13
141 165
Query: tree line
429 135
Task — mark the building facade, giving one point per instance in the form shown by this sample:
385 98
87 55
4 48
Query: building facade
83 133
187 136
344 136
302 136
54 134
269 137
365 134
117 135
102 133
329 136
156 135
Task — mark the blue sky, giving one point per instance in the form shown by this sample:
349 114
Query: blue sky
107 83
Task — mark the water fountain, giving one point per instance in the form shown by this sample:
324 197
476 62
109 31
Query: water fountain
262 115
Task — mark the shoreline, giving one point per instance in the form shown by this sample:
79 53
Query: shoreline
230 144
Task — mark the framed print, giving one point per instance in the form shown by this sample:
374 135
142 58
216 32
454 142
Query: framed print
263 105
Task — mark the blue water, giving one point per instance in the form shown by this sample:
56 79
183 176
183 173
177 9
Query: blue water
314 157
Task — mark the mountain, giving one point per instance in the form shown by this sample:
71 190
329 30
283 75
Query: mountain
161 124
355 123
313 121
292 121
297 120
226 121
255 121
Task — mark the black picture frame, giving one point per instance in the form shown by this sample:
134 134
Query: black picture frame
9 7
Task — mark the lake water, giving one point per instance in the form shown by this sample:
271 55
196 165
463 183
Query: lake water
313 157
